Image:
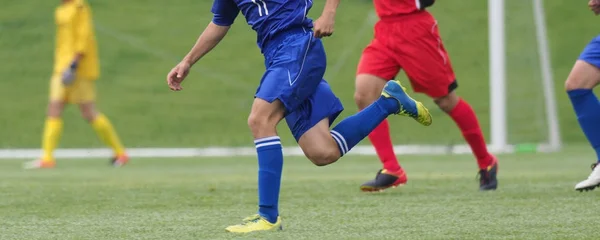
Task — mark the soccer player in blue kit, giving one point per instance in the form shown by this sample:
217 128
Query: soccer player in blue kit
293 88
584 77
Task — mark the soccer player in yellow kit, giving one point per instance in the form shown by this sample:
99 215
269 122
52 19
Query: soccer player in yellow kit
75 71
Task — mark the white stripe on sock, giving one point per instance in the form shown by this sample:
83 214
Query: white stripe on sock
268 144
342 139
266 139
340 142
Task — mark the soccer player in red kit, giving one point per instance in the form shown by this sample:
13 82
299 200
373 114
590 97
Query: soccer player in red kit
407 37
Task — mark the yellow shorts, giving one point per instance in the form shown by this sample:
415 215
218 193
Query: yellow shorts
80 91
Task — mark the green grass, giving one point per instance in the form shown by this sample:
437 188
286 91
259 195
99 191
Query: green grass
197 198
139 43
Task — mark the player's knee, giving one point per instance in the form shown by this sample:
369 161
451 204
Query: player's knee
323 157
363 99
573 83
55 109
360 100
261 126
88 115
448 102
583 76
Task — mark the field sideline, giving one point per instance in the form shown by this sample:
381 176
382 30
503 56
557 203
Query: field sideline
185 198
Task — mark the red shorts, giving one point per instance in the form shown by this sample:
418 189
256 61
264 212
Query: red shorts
413 43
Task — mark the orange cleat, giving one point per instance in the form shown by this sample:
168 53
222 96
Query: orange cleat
39 164
120 160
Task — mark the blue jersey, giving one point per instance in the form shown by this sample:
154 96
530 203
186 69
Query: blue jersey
267 17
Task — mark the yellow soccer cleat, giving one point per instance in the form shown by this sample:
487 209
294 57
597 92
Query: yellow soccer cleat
255 223
408 106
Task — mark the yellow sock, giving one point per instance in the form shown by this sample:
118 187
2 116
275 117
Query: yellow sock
52 132
107 134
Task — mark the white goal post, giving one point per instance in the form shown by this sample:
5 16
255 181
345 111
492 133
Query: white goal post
497 45
498 115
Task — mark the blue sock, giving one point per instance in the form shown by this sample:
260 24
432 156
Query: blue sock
355 128
270 166
587 108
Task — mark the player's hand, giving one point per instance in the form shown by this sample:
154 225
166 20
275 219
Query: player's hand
594 6
177 75
323 26
68 76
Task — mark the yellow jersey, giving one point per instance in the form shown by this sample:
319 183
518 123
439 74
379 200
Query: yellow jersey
75 34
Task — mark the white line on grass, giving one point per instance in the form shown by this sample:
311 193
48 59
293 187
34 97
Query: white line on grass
233 151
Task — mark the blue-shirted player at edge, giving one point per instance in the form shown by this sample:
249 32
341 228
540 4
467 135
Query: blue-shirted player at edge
584 77
293 88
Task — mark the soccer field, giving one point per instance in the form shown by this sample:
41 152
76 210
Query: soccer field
140 43
196 199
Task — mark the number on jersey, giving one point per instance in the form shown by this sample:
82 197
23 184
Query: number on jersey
262 7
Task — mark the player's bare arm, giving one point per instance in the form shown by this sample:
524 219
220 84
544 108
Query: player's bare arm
210 38
324 25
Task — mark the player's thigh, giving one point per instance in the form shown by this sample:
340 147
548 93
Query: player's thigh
310 123
318 144
82 91
377 60
586 71
426 61
294 71
368 88
322 104
58 92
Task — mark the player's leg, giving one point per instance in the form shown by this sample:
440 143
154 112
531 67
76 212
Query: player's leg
294 79
307 122
105 131
429 69
274 95
584 76
323 146
85 95
53 125
375 68
263 120
465 118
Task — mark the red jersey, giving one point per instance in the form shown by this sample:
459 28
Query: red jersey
388 8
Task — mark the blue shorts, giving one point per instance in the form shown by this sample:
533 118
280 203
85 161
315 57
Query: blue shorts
295 63
591 53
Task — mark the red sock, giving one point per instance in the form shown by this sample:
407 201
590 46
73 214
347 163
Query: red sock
382 141
464 116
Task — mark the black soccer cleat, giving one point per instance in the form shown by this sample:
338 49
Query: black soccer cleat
487 177
383 180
